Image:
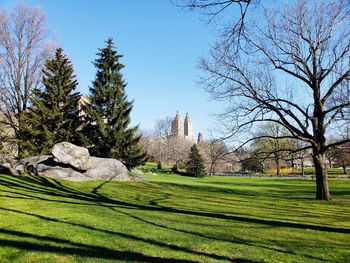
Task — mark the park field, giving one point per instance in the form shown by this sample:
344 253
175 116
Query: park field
169 218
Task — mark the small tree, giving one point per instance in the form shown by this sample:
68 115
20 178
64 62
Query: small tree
195 165
214 151
107 116
342 156
266 146
252 163
53 116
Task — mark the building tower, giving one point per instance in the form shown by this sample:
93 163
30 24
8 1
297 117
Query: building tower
177 128
200 138
188 128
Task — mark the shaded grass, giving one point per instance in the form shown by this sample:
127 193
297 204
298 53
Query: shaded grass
169 218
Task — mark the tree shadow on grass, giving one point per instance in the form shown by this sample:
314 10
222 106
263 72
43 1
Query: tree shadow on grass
66 247
55 191
55 188
234 239
105 231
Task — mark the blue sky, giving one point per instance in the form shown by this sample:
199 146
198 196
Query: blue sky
161 45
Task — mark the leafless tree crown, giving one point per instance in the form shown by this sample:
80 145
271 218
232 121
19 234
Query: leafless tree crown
23 51
293 71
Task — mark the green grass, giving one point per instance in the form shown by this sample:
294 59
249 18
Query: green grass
330 171
169 218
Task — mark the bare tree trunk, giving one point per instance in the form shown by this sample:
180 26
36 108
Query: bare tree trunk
211 172
330 162
322 190
302 166
278 166
344 169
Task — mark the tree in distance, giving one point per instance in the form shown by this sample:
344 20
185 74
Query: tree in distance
214 152
106 132
195 164
53 116
267 147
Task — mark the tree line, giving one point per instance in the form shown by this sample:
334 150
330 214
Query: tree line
39 102
264 155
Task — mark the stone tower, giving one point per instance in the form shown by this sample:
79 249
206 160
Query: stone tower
188 128
177 128
200 138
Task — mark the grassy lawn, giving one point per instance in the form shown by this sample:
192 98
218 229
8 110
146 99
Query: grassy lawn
168 218
330 171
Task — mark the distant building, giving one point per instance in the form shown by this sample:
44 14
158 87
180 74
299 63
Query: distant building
81 102
200 138
183 129
188 128
177 128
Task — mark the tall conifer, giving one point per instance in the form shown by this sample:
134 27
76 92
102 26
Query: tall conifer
107 116
53 115
195 165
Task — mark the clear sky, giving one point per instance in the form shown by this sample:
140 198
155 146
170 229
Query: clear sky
161 45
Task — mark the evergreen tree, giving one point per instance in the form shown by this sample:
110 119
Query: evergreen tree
107 116
53 116
195 165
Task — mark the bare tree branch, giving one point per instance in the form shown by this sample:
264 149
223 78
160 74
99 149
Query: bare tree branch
23 50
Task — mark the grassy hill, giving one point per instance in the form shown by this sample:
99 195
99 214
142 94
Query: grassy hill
169 218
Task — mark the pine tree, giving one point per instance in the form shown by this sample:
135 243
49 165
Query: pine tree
195 165
107 133
53 116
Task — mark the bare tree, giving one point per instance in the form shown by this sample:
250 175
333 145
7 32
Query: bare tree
147 141
162 130
212 9
214 152
179 149
342 156
293 70
330 154
162 147
297 153
163 127
23 51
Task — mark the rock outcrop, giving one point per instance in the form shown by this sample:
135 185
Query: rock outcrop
107 168
71 162
70 154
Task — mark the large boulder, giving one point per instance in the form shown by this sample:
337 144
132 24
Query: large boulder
108 169
69 154
102 168
70 162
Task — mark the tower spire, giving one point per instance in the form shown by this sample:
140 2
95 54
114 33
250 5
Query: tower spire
188 128
177 128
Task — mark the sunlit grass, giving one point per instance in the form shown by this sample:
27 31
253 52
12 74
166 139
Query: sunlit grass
169 218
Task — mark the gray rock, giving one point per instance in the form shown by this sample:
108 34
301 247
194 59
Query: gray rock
31 164
60 172
102 168
108 169
70 154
